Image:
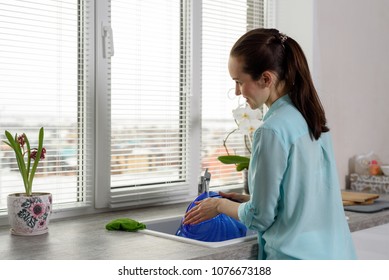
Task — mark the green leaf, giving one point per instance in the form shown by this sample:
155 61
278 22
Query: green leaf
234 159
14 144
28 168
9 144
240 161
242 166
38 156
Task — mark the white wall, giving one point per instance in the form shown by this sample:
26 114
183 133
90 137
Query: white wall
347 42
352 62
295 18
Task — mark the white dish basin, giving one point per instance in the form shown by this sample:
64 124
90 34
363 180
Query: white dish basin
167 227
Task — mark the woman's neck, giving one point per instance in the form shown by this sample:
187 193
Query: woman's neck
276 92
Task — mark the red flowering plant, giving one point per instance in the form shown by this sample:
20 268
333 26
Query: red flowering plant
21 147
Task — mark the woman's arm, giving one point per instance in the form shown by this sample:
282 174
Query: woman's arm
209 208
236 196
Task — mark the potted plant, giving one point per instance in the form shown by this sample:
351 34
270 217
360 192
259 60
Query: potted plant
248 121
28 212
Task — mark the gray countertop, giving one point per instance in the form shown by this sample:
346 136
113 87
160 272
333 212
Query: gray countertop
85 238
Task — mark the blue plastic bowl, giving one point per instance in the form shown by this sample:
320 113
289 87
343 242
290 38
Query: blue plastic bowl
219 228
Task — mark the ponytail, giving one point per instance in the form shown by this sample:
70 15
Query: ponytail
302 92
267 49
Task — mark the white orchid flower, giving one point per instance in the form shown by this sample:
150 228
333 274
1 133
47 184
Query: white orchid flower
248 120
247 127
246 113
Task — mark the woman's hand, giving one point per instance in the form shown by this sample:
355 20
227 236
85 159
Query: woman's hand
208 208
204 210
236 197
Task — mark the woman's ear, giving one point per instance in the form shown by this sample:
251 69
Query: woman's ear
267 78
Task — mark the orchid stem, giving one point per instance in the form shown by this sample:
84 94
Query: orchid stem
225 140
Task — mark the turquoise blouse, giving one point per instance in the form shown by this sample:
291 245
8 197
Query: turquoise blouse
295 203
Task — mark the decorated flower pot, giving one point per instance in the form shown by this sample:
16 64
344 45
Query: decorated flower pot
29 215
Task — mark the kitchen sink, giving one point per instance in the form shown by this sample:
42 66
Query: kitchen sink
167 227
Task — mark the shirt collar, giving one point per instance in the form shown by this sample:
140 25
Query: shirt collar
285 99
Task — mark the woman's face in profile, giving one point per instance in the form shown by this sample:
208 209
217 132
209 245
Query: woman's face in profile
252 90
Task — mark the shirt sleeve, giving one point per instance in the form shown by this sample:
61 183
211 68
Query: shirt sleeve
267 167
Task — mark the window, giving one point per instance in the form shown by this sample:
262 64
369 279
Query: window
149 98
44 82
148 105
223 23
133 95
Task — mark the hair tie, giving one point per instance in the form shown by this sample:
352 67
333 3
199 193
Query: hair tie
283 38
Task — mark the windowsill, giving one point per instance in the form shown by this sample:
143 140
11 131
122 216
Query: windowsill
85 238
76 211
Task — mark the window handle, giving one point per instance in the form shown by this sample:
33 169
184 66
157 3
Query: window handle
106 33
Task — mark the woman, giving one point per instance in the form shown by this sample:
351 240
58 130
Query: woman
295 200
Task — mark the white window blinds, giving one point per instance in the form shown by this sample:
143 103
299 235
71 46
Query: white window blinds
149 101
223 22
44 76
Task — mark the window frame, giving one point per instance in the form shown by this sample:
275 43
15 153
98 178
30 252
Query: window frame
103 195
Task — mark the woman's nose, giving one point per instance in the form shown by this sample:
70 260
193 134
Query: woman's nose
237 90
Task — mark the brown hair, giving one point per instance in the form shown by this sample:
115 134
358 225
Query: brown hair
268 50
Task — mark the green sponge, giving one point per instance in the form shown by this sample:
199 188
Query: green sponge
125 224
